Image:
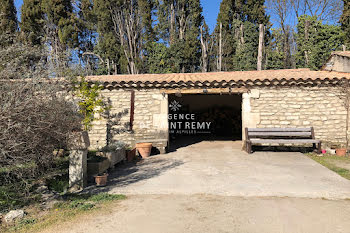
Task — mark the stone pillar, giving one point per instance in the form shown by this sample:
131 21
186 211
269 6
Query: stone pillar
160 121
77 170
249 118
78 145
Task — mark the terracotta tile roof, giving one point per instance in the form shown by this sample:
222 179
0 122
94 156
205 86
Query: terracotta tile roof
216 79
342 53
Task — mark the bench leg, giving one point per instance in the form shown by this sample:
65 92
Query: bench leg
319 148
162 149
249 147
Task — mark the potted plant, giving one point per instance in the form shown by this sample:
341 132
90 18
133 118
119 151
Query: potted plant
130 154
144 149
340 150
101 179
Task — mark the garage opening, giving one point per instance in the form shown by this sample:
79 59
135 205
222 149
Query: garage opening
204 117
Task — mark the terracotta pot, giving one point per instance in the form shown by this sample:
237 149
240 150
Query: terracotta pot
340 151
144 149
101 180
131 155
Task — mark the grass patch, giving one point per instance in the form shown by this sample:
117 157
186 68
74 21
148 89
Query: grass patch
72 206
332 162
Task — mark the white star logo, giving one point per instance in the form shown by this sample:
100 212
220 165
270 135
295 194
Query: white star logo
174 105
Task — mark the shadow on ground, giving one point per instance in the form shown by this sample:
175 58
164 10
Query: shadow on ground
125 174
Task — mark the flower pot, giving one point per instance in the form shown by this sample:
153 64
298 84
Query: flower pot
340 151
131 155
101 180
144 149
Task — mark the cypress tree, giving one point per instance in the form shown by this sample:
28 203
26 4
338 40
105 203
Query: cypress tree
321 40
345 22
108 45
240 21
8 22
179 26
62 22
32 22
61 31
275 55
87 35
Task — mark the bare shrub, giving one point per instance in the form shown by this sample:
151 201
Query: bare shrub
36 117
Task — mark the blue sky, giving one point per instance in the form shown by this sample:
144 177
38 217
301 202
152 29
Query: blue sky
210 10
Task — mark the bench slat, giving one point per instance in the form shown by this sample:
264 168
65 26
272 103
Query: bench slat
285 141
276 134
279 129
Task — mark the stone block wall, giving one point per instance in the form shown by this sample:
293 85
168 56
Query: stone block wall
320 108
150 117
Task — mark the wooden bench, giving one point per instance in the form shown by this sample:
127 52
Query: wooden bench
281 136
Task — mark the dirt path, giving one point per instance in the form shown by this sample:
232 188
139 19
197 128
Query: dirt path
208 213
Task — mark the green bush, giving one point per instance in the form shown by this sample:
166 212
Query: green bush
59 184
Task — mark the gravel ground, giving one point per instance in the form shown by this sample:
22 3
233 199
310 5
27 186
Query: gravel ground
208 213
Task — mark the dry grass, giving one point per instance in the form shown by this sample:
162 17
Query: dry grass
63 211
335 163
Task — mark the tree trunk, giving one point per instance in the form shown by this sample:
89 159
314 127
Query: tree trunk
204 43
220 49
172 24
242 34
182 23
108 66
306 31
260 48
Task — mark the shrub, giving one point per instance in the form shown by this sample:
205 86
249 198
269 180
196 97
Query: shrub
36 117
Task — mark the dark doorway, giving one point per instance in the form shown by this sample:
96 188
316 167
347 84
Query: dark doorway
198 117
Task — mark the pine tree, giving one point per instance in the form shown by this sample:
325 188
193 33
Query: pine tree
8 22
345 22
32 22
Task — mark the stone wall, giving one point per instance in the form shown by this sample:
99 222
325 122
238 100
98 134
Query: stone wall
150 117
320 108
337 63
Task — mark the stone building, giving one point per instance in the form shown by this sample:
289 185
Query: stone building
144 106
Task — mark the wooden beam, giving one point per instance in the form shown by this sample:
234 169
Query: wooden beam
205 91
132 109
